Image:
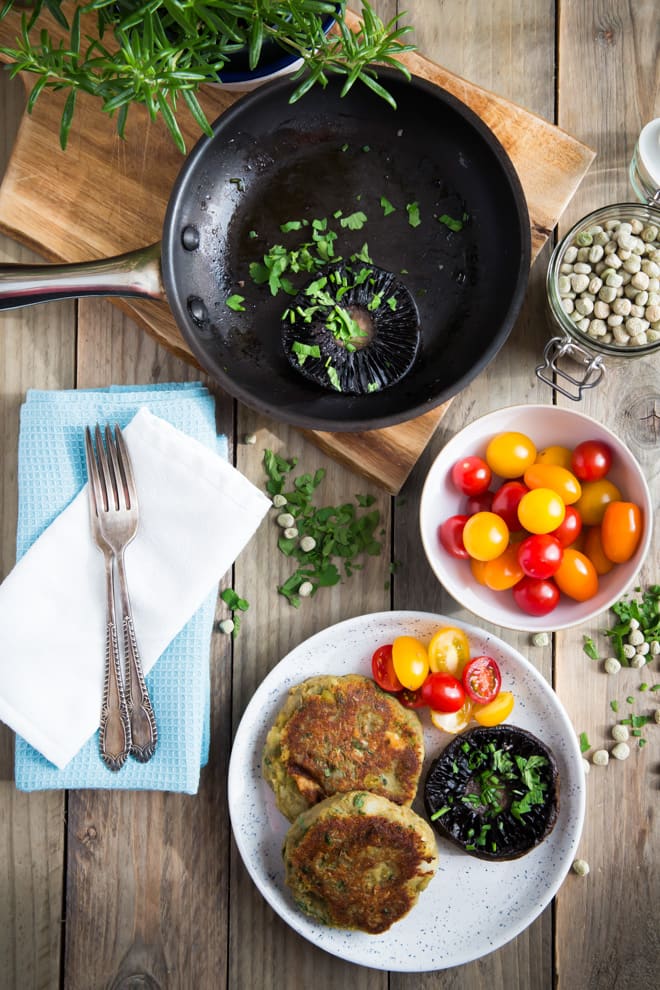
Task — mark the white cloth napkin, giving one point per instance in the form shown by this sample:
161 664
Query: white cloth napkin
196 515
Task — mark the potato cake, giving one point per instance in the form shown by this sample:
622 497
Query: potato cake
359 861
337 734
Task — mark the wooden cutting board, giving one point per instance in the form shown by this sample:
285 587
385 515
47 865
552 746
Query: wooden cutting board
105 196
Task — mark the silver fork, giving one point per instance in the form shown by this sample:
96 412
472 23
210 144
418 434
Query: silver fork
128 723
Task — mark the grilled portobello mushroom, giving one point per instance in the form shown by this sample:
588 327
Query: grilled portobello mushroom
354 328
494 792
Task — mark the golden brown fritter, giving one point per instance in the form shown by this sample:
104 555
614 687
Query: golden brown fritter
338 734
359 861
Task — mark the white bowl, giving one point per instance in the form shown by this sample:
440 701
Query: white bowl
545 425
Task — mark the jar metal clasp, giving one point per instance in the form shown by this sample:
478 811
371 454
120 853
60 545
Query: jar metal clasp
551 373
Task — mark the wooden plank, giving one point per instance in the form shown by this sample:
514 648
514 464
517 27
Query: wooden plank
618 43
64 217
514 53
146 893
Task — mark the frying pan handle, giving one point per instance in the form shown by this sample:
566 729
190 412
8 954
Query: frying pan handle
137 273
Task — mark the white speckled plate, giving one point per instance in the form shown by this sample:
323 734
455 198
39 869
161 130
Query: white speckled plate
471 906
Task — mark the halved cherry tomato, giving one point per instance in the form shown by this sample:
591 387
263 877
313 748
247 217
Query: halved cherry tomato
621 531
449 650
382 669
471 475
596 496
591 460
485 535
411 699
555 455
541 510
570 528
504 571
450 534
496 711
508 454
479 503
443 692
411 661
555 477
576 576
593 549
453 721
506 500
482 679
536 597
540 555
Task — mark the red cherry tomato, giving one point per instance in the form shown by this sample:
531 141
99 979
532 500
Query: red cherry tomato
471 475
505 502
536 597
382 669
570 529
450 534
479 503
482 679
411 699
540 555
443 692
591 460
621 531
576 576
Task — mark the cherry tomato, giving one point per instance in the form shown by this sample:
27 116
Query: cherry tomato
450 535
591 460
496 711
593 549
596 496
540 555
453 721
443 692
570 528
485 535
576 576
411 699
621 530
479 503
382 669
506 500
478 568
541 510
471 475
411 661
449 650
508 454
504 571
535 596
555 455
482 679
557 478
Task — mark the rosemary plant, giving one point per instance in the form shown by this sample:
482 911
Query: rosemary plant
159 52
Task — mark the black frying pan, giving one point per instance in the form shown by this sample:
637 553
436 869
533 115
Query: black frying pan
270 162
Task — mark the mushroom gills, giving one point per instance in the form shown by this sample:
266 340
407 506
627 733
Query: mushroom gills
353 328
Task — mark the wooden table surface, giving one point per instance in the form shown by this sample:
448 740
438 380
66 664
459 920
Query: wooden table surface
129 890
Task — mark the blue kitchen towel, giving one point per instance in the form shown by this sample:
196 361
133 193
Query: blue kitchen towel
51 471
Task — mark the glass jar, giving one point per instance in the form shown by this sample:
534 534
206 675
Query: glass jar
595 320
644 169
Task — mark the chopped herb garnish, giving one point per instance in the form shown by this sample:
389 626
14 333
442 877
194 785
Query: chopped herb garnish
584 743
235 302
589 648
448 221
355 221
614 705
235 604
413 214
387 206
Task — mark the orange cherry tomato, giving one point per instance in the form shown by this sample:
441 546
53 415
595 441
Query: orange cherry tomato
555 455
595 497
541 510
410 660
593 549
485 535
448 651
504 571
576 576
478 568
621 530
495 711
555 477
508 454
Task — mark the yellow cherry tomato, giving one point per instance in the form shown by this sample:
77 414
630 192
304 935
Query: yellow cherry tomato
504 571
508 454
495 711
485 535
541 510
453 721
411 661
555 455
555 477
595 497
593 549
576 576
449 651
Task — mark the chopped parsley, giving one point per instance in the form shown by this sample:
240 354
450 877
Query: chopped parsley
450 222
387 206
413 214
235 302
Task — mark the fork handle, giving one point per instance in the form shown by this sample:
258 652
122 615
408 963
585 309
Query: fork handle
144 734
115 735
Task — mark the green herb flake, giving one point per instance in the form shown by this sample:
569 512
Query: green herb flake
614 705
387 206
589 648
413 214
235 302
355 221
450 222
585 745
